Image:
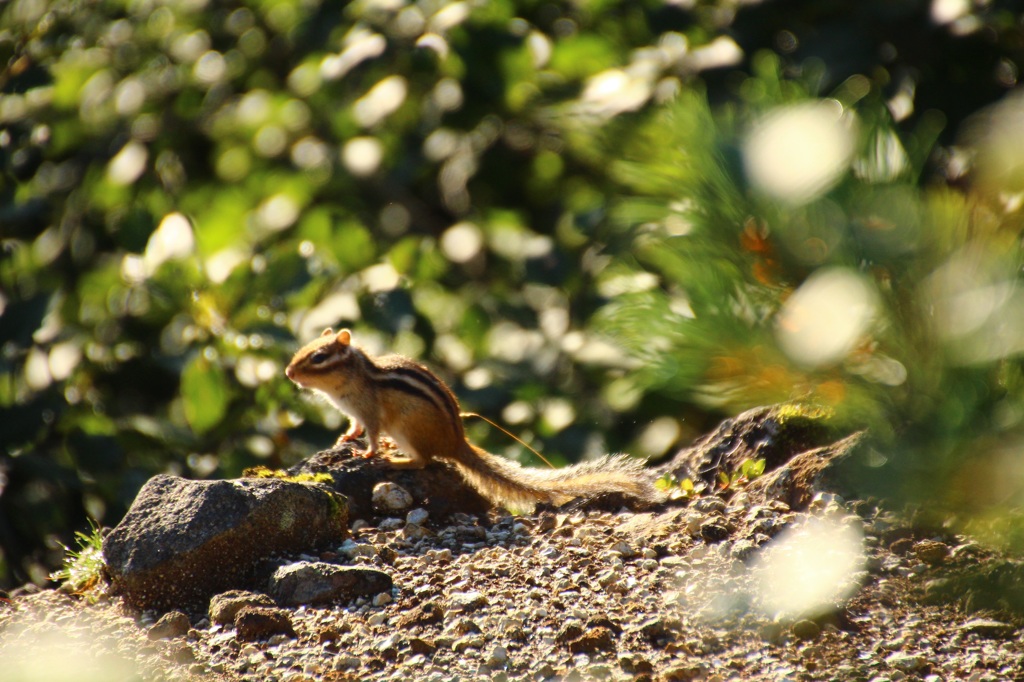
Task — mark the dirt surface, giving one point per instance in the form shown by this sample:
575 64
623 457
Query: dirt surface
712 590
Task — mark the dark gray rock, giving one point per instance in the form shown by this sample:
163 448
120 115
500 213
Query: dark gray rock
183 541
307 582
772 433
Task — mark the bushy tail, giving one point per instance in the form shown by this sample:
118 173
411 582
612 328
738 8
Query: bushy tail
504 482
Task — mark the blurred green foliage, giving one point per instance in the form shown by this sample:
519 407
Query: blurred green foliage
555 204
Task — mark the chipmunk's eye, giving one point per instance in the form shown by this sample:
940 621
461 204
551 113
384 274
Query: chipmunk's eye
319 357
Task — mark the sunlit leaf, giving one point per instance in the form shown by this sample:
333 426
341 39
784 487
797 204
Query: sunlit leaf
665 482
752 468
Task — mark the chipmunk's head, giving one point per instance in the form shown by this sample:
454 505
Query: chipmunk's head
317 364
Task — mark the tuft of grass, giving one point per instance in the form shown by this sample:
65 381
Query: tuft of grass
84 568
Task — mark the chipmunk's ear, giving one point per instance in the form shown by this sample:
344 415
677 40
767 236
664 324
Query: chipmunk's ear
327 332
344 337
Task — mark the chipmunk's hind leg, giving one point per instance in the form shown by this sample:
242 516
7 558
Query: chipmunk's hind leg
410 457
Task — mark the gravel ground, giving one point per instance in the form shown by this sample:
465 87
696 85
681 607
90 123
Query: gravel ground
715 590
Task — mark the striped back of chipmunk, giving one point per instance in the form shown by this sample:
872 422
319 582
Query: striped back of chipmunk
322 362
402 374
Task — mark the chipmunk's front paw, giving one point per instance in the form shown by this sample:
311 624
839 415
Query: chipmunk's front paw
355 430
344 442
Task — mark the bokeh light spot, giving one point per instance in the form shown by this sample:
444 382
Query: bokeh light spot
809 568
362 155
798 152
128 164
826 317
462 242
172 239
381 101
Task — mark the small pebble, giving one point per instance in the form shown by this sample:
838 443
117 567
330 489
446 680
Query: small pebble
806 629
497 657
932 552
417 516
467 601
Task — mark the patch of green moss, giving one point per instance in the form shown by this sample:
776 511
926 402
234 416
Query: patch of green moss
793 410
265 472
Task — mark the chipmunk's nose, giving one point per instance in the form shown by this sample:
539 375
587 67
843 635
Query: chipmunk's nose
290 372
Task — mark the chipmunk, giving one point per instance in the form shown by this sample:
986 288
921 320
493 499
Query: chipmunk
404 399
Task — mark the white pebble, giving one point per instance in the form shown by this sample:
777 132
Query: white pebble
390 496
